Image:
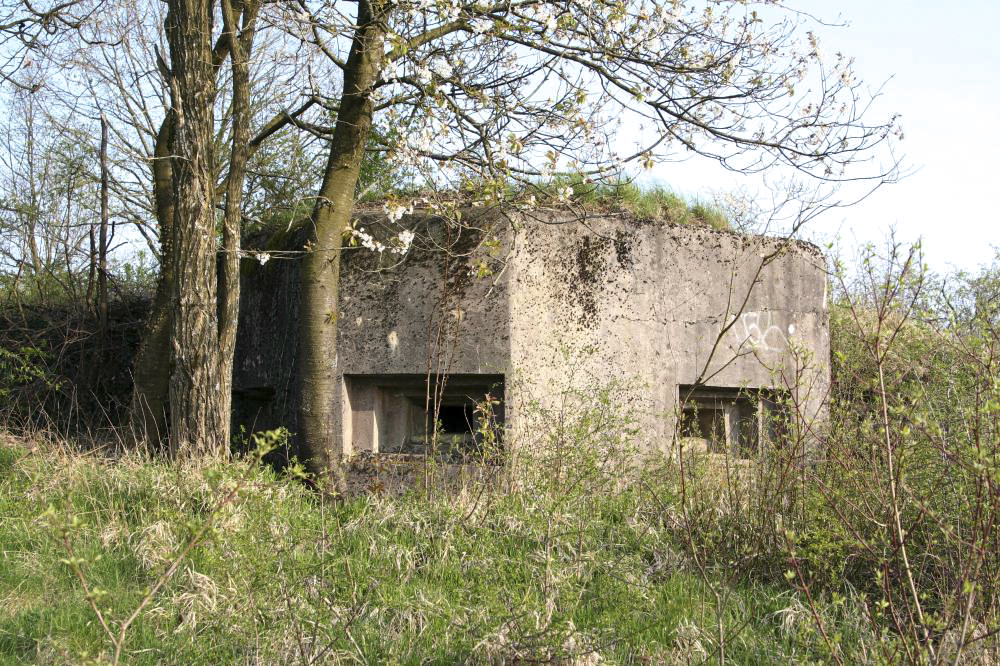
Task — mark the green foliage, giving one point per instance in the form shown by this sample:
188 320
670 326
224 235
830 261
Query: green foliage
898 506
137 278
570 563
21 367
380 176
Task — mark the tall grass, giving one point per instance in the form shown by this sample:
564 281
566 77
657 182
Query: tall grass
583 569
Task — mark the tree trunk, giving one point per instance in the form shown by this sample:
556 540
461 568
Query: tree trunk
319 296
183 372
97 280
151 375
199 421
240 46
102 251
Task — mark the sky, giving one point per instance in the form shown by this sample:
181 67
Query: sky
940 63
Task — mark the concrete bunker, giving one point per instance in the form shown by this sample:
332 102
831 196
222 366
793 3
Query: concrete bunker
735 321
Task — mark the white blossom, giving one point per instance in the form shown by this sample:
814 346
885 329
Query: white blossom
405 241
441 67
392 70
817 52
452 11
395 212
479 25
367 240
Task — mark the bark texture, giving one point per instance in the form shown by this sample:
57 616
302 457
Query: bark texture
239 24
151 375
183 371
320 293
199 420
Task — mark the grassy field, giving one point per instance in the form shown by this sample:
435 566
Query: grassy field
585 570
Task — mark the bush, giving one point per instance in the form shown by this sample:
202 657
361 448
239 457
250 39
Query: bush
903 504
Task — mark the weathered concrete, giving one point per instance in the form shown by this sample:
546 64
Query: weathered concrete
571 303
661 306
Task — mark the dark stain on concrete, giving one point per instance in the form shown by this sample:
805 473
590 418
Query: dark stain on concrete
585 278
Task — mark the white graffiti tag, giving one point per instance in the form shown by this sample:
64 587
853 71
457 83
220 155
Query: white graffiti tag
761 332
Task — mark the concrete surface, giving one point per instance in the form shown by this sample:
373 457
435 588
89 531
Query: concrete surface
537 308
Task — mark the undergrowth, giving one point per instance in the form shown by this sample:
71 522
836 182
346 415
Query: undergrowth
478 574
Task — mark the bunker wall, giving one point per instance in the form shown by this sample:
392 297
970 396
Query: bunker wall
653 307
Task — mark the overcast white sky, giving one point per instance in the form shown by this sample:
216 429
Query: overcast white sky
944 64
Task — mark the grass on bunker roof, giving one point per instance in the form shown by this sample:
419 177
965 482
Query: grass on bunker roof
652 203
